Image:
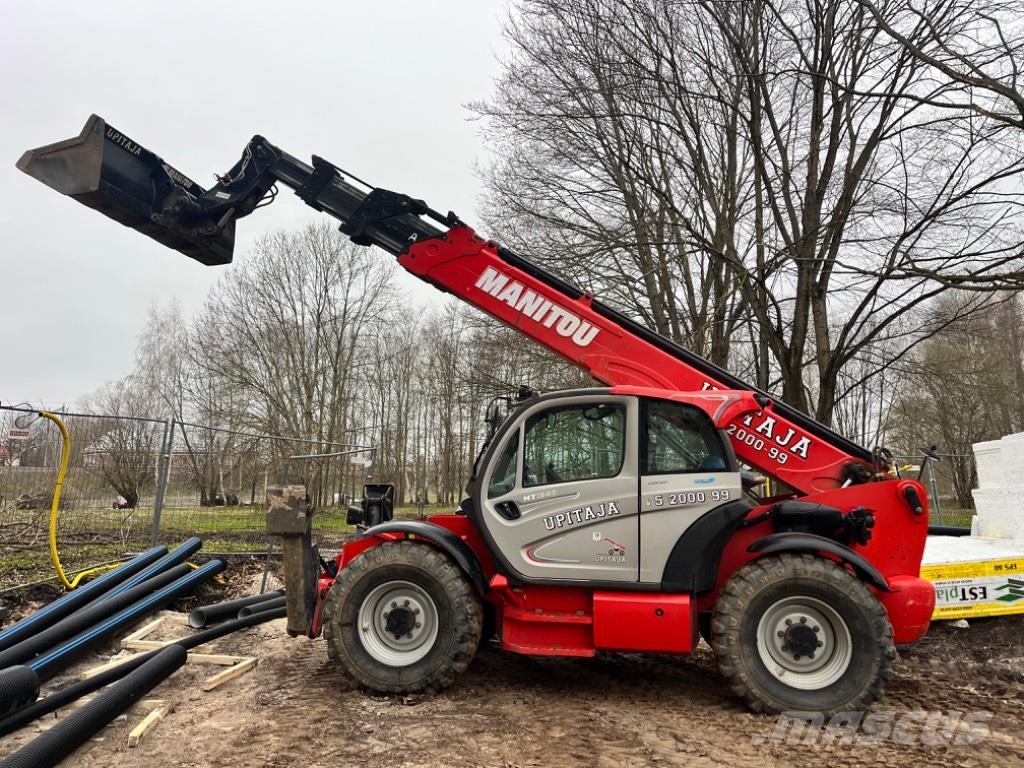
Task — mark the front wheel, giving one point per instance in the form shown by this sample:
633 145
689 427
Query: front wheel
801 633
402 618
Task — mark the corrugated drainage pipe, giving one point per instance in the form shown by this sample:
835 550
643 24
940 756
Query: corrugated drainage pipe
66 605
74 730
18 686
211 614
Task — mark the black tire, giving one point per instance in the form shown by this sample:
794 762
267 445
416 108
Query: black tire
764 590
458 619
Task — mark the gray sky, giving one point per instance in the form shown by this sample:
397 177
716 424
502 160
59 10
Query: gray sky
378 88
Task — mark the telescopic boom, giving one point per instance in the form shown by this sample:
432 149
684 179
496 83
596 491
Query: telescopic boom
106 170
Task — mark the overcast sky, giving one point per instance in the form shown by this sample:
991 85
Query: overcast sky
378 88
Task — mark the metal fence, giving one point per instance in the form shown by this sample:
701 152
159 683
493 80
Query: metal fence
132 482
949 482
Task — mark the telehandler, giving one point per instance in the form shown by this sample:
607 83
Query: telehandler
614 518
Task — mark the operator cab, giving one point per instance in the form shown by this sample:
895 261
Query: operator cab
598 485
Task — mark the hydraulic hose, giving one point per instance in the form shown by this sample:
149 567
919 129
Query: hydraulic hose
70 602
211 614
76 690
179 555
74 730
85 618
266 605
47 665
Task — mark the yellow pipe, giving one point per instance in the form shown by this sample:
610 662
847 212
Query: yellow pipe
65 455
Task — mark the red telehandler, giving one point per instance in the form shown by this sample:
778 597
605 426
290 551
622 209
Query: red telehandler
620 517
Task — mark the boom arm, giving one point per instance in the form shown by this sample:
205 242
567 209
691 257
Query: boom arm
106 170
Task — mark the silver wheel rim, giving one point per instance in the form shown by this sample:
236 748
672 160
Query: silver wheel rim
398 623
804 643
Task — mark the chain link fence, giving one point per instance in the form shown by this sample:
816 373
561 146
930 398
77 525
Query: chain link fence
132 482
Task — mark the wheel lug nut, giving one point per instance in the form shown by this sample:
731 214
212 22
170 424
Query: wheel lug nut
803 619
816 629
780 633
820 643
416 611
405 603
418 625
394 604
785 647
796 657
409 636
788 622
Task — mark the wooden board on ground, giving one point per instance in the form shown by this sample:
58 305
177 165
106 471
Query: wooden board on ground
148 722
230 673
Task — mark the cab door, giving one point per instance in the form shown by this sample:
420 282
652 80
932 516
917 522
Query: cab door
686 470
561 494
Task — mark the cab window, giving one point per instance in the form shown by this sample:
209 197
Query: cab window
574 442
503 478
679 438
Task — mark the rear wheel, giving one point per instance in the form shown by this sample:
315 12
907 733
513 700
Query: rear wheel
402 618
802 633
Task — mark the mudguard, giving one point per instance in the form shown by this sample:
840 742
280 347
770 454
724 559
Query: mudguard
442 538
809 542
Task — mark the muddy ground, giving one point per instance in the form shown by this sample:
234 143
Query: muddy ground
617 710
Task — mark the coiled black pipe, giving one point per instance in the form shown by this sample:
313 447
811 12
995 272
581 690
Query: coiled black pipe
48 664
182 553
81 688
18 686
267 605
211 614
85 618
70 602
70 733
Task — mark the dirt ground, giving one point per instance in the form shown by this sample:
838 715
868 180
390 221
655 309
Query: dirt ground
616 710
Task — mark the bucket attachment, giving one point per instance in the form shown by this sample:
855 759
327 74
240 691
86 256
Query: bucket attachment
108 171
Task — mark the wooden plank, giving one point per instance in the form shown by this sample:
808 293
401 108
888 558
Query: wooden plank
144 632
224 660
230 673
93 671
216 658
144 703
148 722
153 645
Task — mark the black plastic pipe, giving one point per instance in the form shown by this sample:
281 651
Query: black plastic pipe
18 686
81 620
211 614
66 605
267 605
50 663
182 553
948 530
76 690
74 730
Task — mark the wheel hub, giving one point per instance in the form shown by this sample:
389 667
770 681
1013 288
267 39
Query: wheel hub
398 623
804 642
801 640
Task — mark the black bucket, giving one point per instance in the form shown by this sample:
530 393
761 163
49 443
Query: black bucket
106 170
